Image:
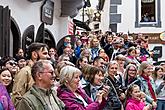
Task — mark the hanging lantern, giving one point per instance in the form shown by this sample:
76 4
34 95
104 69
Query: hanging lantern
97 16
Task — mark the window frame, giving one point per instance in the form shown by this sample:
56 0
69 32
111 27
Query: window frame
157 23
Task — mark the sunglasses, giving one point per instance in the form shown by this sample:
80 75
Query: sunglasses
11 63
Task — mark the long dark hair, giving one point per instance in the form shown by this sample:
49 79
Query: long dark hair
80 60
157 68
10 86
128 93
126 73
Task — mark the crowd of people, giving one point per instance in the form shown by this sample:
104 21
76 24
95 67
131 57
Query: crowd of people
93 71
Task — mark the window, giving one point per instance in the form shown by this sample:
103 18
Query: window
148 13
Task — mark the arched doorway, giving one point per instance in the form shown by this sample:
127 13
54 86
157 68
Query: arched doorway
10 35
45 36
15 38
27 38
48 38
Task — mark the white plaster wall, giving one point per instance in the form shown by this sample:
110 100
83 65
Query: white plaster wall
127 19
27 13
104 25
127 9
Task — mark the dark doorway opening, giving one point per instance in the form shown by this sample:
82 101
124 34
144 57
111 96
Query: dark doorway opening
10 35
15 38
48 38
45 36
27 38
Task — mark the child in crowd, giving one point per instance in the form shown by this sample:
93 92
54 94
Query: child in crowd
159 78
134 99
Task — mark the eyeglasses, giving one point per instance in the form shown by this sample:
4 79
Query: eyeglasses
132 70
51 72
149 69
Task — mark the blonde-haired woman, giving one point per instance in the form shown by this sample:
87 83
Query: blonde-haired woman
116 94
94 48
58 68
85 74
73 96
147 84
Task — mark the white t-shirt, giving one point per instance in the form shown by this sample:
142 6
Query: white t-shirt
161 95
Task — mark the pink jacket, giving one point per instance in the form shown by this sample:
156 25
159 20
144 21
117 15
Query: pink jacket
73 103
131 57
133 104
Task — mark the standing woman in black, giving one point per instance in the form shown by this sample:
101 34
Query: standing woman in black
116 94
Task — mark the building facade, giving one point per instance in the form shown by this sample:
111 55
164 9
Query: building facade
33 20
140 16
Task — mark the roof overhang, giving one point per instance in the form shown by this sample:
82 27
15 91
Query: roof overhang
81 24
71 7
34 0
